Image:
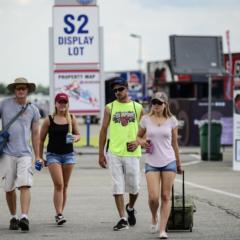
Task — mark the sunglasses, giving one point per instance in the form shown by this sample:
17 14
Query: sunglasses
157 102
120 89
62 102
21 88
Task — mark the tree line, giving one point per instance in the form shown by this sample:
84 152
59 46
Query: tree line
40 89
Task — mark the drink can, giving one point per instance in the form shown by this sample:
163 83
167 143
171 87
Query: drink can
38 165
69 138
150 149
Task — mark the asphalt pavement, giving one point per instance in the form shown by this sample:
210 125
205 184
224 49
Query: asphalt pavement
91 213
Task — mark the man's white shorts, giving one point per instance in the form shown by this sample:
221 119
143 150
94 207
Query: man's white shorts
125 173
16 172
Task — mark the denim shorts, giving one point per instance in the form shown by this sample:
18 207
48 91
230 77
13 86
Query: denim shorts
171 167
68 158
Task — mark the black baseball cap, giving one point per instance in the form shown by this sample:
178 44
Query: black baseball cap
119 81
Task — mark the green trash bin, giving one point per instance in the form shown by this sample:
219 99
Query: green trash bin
216 131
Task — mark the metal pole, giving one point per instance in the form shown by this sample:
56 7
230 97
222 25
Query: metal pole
139 37
88 122
209 115
140 59
51 69
102 79
140 53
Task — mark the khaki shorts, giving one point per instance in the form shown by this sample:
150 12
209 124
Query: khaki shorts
125 173
16 172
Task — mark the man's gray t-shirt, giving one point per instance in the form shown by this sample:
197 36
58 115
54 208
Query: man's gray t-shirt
20 131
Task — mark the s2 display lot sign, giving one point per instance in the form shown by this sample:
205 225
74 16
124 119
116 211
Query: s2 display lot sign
76 35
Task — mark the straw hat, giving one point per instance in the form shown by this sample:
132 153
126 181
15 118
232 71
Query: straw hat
20 81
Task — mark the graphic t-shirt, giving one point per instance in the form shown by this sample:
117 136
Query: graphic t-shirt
123 127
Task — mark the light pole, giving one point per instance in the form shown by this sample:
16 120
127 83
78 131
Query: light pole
139 37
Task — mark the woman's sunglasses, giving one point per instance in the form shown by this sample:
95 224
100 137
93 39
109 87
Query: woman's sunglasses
62 102
120 89
156 102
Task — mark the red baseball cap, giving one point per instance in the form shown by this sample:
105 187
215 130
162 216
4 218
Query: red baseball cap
61 97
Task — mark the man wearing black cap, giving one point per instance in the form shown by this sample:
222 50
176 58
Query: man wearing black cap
121 117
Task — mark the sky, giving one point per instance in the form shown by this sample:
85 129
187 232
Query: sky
24 43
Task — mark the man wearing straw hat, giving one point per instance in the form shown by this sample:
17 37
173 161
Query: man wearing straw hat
16 161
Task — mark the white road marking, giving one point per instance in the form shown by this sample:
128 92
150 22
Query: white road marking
197 156
193 162
209 189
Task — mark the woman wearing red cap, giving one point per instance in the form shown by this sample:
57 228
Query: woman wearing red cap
62 130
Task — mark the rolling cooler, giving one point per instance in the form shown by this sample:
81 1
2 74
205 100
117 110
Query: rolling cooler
181 216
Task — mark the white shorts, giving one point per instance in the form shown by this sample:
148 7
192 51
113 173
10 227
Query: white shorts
125 173
16 172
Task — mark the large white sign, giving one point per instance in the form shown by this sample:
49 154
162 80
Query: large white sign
82 87
76 35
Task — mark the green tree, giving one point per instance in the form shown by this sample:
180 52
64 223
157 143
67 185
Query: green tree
3 89
42 89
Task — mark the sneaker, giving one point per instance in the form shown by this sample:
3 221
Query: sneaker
155 227
121 225
14 224
131 216
24 224
163 235
60 220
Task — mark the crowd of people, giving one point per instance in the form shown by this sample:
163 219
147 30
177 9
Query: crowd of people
125 131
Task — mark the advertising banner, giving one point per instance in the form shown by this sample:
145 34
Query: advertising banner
236 130
135 83
75 35
190 113
158 72
82 87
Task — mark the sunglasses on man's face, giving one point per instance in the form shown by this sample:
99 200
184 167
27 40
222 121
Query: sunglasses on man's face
120 89
157 102
21 88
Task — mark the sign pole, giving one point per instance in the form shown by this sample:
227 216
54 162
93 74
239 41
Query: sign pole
102 82
51 76
209 115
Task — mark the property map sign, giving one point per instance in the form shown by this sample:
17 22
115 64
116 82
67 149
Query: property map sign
82 87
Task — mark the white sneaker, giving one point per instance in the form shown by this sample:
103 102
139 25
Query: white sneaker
163 235
154 228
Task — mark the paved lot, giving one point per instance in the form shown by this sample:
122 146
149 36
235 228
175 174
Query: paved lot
91 213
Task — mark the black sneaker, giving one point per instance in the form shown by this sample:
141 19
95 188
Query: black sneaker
14 224
131 216
60 220
121 225
24 224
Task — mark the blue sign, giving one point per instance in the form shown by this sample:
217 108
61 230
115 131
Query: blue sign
85 1
136 83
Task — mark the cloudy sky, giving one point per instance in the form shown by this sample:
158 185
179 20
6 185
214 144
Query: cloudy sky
24 31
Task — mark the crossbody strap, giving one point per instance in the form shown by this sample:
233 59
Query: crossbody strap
108 140
16 116
135 110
